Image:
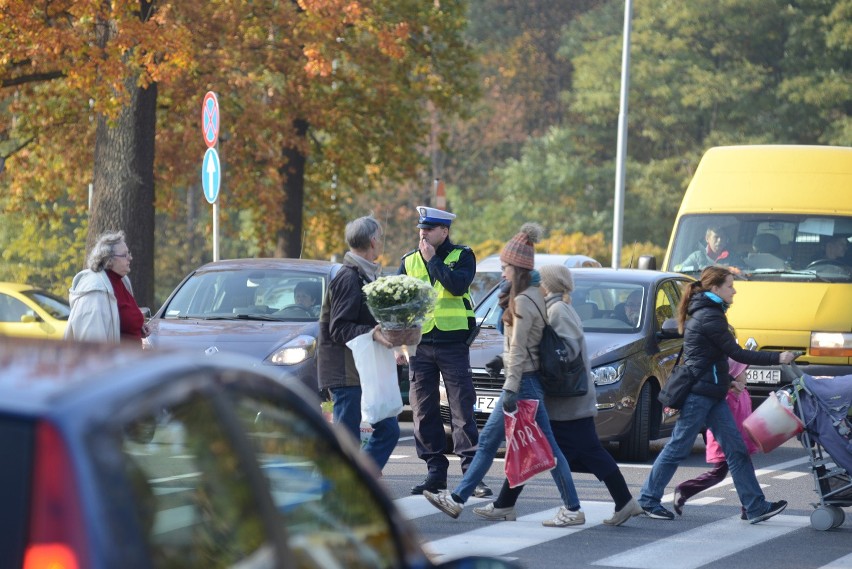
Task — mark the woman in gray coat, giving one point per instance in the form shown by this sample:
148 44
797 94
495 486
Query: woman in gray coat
572 419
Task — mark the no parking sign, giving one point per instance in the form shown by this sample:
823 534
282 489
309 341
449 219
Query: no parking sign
210 119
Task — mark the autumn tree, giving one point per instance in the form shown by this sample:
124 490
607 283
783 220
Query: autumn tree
76 68
773 73
317 97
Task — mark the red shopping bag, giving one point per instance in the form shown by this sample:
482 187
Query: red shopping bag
527 451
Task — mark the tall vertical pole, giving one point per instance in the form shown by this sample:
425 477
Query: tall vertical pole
618 209
216 230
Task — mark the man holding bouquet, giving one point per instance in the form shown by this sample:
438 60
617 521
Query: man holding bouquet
344 317
444 350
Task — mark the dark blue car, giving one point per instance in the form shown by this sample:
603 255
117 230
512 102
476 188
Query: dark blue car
119 457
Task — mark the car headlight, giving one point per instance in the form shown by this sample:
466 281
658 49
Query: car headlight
295 351
837 344
609 373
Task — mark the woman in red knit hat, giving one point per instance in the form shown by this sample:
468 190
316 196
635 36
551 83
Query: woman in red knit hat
523 324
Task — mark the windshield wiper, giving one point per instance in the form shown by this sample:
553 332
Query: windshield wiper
762 272
257 317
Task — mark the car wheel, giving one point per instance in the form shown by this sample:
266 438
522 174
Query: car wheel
635 446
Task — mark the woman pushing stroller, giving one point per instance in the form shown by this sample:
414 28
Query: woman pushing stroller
707 345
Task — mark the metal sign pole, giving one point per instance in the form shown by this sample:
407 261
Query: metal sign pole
211 166
216 230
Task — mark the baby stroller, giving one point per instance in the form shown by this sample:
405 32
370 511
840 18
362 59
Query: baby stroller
823 406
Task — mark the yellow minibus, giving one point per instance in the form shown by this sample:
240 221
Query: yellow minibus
781 218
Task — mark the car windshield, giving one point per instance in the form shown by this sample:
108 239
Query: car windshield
603 306
249 294
53 305
776 247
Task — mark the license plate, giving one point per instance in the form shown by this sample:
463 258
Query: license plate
760 375
485 403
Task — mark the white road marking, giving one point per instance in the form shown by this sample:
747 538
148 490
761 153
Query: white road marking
791 475
413 507
844 562
728 536
501 538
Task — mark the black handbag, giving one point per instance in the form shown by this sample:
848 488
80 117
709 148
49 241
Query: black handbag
559 375
678 386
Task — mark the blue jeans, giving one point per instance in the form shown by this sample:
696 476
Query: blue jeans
698 411
347 413
494 433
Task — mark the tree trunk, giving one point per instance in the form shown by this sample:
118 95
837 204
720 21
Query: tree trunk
123 177
290 237
124 185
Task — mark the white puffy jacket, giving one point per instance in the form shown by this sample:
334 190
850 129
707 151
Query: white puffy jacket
94 309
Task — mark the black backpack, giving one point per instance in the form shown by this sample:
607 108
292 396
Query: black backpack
560 376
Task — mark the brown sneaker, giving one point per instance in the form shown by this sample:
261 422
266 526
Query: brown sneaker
630 509
489 512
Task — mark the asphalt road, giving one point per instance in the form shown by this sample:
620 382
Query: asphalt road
709 535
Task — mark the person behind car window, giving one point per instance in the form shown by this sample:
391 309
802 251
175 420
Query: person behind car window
765 250
344 317
572 419
308 295
631 309
102 305
715 251
707 345
524 320
836 248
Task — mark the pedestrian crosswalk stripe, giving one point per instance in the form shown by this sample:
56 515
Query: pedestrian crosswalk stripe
844 562
413 507
703 501
729 536
501 538
790 475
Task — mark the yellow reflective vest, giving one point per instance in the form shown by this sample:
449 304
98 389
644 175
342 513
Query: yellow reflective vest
450 312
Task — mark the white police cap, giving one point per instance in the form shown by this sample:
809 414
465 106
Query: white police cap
431 217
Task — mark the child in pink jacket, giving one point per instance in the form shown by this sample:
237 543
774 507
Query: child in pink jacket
739 401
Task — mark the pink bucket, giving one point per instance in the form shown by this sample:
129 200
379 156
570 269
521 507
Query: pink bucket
772 424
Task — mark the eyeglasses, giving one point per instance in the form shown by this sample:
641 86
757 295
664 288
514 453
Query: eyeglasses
124 255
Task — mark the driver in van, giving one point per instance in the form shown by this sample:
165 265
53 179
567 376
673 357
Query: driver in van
836 248
714 253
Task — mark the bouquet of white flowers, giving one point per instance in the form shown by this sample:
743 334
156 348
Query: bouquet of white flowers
399 303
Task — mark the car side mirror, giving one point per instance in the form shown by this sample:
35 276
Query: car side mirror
669 329
29 318
648 262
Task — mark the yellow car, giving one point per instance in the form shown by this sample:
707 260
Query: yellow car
31 312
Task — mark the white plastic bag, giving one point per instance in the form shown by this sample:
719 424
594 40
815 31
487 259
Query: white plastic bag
380 397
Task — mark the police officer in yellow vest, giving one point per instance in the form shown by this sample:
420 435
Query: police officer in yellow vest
443 350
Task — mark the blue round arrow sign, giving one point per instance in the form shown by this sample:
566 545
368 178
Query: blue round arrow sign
211 175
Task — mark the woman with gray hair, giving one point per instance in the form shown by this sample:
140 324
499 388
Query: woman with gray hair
102 305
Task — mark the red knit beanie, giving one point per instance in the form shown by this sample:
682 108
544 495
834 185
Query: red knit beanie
520 250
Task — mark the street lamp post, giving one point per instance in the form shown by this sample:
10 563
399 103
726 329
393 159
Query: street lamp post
618 209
